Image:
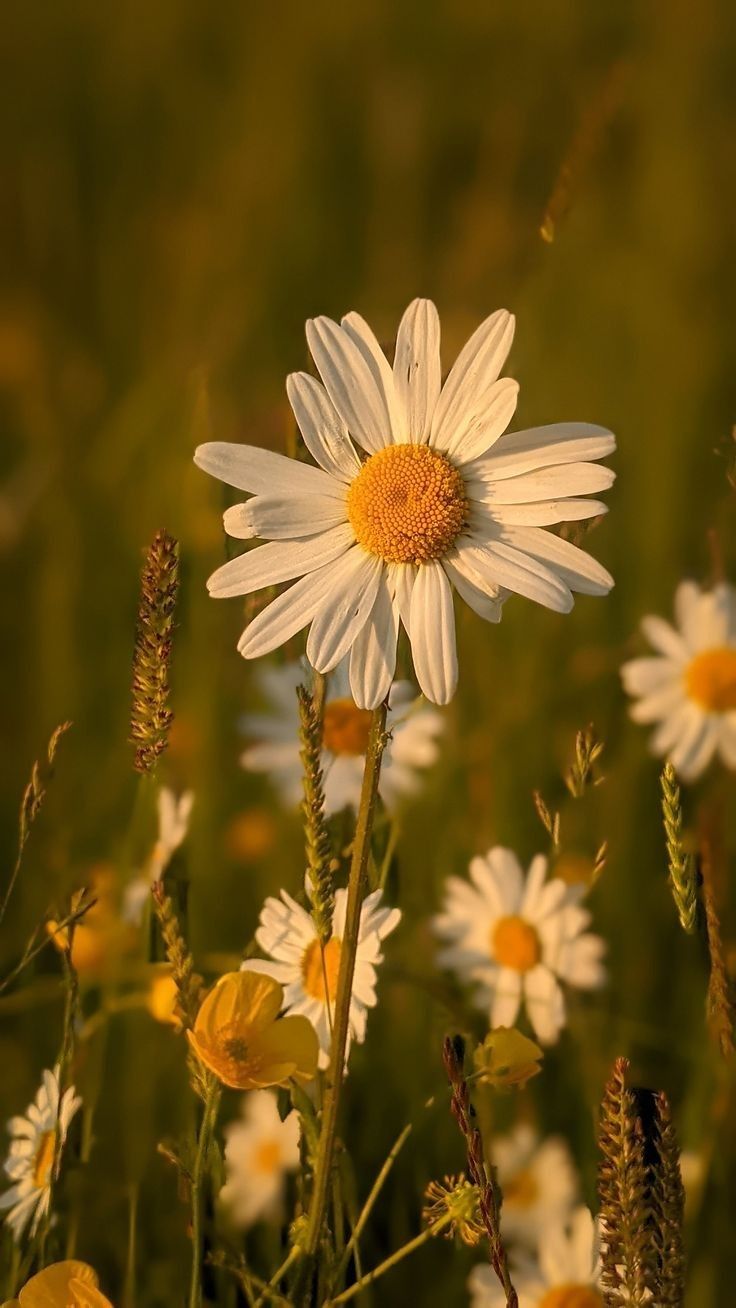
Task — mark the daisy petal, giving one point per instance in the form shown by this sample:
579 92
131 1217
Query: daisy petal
355 580
358 330
432 633
323 430
549 483
547 513
417 368
541 447
471 377
485 600
290 612
373 656
252 469
278 561
274 517
517 571
350 384
664 638
580 571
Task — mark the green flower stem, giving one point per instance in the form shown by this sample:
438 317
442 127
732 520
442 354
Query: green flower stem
368 1206
209 1116
391 1261
356 894
271 1290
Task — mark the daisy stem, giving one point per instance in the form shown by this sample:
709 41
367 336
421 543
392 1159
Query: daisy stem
272 1288
341 1017
391 1261
209 1114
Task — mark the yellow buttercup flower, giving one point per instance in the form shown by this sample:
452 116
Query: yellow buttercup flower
239 1035
162 998
507 1058
70 1284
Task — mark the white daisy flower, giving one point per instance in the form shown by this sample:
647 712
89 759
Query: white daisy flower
414 731
259 1151
538 1182
309 975
517 939
567 1275
435 498
689 687
37 1140
174 813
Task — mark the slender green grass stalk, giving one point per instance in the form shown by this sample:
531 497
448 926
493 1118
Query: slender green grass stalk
336 1069
411 1247
629 1257
291 1258
151 716
478 1170
317 837
30 807
683 879
370 1202
720 1007
668 1204
211 1100
129 1290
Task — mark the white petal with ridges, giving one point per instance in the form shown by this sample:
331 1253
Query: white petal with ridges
355 581
324 432
432 633
278 561
258 471
474 372
350 384
417 368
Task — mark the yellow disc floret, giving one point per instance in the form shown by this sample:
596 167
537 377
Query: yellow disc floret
345 728
571 1296
515 943
318 968
407 504
711 679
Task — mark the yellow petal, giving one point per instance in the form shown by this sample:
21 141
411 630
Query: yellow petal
247 1000
288 1048
61 1285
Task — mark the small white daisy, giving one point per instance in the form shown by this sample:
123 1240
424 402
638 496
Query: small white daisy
517 939
567 1275
259 1151
287 934
538 1182
37 1139
414 731
173 826
689 687
435 497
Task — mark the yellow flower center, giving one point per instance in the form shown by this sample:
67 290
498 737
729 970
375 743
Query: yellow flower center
236 1048
571 1296
345 727
515 943
314 971
267 1157
407 504
711 679
44 1159
521 1190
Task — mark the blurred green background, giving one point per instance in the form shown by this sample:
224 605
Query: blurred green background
181 185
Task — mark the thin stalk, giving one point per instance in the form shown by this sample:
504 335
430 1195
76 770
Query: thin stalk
356 894
209 1115
391 1261
368 1206
271 1289
129 1292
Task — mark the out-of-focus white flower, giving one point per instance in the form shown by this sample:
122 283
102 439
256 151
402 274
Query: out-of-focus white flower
538 1182
516 938
35 1149
174 813
436 497
567 1274
260 1150
688 688
309 973
414 730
